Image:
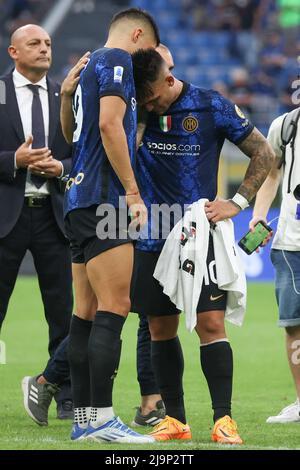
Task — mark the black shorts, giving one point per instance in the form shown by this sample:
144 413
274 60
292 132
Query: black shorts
148 298
86 240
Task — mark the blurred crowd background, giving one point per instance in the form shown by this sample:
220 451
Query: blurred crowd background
246 49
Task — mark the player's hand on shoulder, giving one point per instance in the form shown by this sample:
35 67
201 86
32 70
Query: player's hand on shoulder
220 209
69 84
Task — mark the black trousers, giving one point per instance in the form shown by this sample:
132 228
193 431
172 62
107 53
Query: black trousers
36 230
58 369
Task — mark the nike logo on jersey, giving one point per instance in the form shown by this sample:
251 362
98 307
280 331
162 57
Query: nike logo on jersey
212 298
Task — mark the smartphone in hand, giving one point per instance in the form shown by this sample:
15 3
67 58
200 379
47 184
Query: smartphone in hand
252 240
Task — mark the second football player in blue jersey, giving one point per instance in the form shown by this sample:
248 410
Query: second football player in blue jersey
177 164
103 160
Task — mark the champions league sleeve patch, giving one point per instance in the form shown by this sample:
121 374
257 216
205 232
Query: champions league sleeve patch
118 74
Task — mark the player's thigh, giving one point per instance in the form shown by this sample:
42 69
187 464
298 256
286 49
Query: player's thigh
110 274
85 299
147 295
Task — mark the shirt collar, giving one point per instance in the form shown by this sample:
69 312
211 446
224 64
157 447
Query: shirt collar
21 81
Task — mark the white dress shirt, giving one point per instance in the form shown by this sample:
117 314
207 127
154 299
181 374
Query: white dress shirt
24 98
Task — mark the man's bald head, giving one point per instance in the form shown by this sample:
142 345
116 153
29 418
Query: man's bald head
31 51
26 31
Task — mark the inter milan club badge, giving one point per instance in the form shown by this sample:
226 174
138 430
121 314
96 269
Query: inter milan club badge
190 124
165 123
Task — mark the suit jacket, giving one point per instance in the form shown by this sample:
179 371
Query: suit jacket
12 183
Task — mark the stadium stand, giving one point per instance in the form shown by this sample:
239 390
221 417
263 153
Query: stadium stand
16 13
212 40
245 49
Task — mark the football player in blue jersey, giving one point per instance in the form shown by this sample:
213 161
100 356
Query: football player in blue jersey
57 370
104 141
177 163
151 411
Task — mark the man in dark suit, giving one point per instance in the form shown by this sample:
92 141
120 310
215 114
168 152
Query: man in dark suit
33 158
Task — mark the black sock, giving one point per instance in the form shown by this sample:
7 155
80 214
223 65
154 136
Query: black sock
104 356
217 365
78 359
168 365
145 373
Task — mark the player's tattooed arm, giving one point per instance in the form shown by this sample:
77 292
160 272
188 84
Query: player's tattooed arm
256 147
262 157
142 118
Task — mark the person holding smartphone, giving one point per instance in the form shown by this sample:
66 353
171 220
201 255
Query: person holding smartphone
257 236
285 254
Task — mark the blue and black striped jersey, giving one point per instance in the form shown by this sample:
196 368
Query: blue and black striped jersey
92 179
178 160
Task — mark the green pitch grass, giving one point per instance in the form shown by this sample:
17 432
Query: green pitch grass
262 383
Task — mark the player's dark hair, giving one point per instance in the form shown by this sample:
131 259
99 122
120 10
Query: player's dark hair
147 64
137 14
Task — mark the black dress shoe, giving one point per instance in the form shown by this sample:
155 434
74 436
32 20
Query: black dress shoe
65 409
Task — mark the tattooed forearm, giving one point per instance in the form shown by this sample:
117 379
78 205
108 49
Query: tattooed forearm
257 148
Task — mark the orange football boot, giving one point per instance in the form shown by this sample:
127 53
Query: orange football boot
169 429
225 431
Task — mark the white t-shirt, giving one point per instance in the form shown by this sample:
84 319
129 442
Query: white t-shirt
287 236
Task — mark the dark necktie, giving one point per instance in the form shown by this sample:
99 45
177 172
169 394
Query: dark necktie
38 129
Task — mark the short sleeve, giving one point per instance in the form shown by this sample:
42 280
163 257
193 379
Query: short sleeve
114 74
274 135
229 119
